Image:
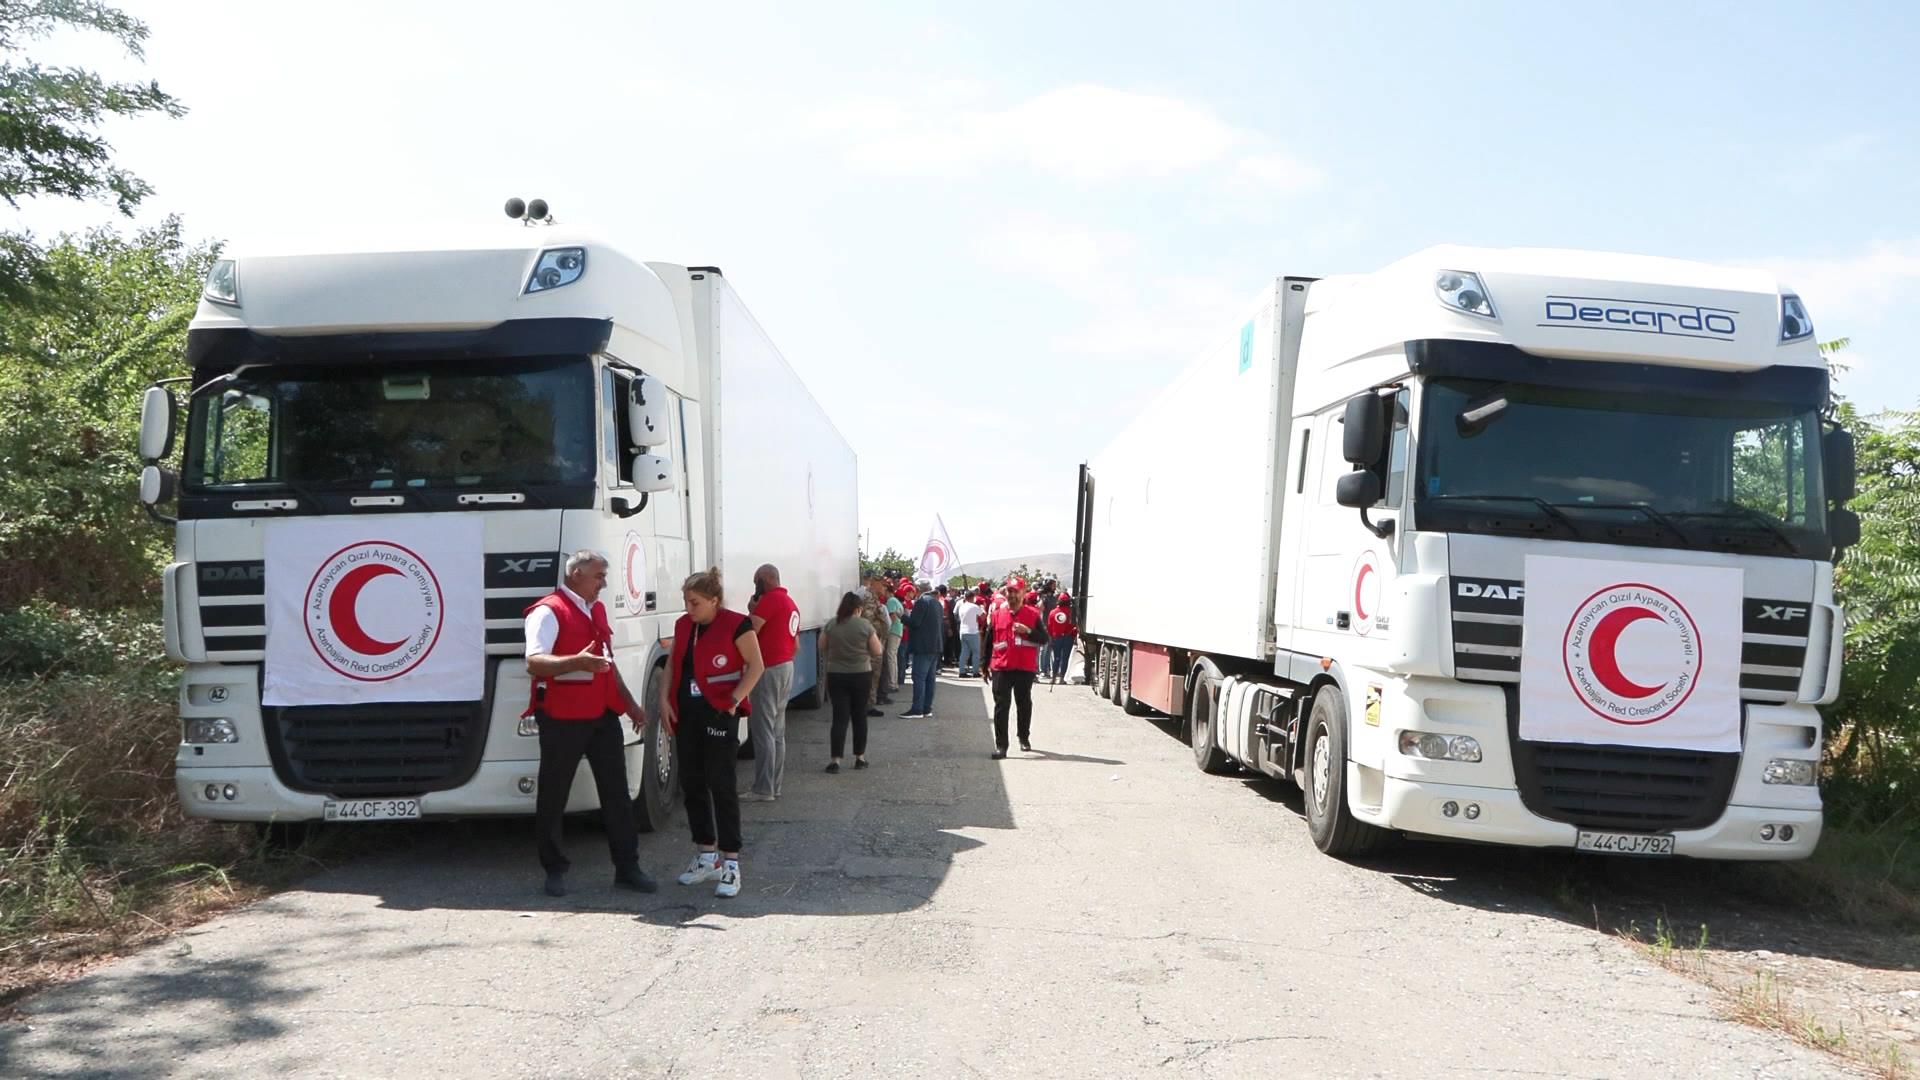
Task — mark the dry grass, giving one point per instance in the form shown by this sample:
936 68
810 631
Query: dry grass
95 855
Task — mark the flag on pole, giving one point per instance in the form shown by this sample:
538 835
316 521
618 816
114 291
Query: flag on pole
938 562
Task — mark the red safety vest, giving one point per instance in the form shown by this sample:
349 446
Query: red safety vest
577 695
778 638
717 663
1060 622
1012 649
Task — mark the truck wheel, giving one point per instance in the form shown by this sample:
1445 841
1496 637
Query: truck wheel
1120 663
1200 717
659 767
1332 825
1102 670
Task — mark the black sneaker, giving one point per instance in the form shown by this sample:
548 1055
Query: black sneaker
876 712
632 877
859 763
998 754
833 766
1026 747
556 884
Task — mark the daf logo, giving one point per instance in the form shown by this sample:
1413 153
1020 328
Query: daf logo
211 574
1492 592
1782 612
529 565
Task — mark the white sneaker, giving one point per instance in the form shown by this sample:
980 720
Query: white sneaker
704 867
729 880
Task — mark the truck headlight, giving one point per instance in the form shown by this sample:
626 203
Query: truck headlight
1796 771
217 729
557 267
1462 291
1434 746
223 283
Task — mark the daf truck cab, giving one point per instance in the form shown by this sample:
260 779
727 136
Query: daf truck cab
1516 546
385 456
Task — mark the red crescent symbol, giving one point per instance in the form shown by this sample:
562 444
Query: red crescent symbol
1600 651
1359 582
632 550
346 620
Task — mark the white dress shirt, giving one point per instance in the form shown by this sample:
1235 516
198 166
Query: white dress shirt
543 626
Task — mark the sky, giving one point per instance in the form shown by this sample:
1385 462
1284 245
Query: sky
986 234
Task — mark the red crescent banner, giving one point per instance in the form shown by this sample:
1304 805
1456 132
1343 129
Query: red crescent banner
414 610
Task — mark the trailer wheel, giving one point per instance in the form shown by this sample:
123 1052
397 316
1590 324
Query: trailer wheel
1103 670
1330 822
1121 661
1200 717
659 766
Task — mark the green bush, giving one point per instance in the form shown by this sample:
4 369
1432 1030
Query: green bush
40 638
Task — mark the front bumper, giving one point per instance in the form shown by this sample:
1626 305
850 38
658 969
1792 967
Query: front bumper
494 790
1418 807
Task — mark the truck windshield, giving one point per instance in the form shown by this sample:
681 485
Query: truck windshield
1699 472
519 423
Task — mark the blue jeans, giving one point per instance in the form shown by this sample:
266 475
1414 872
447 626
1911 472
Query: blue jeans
1059 651
926 666
969 654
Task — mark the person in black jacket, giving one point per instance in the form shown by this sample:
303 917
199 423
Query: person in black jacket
926 640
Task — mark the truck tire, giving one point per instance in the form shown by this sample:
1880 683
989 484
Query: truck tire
1120 673
659 765
1102 670
1200 723
1330 822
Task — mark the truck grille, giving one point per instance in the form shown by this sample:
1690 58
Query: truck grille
405 748
1616 787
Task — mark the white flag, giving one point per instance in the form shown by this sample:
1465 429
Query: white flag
375 608
938 562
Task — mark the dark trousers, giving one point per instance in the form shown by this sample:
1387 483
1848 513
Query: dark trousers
1011 687
848 692
707 742
562 744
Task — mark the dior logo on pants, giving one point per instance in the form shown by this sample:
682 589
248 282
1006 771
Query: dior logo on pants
720 733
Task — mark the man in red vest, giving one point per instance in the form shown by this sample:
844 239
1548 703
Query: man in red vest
1014 659
577 699
776 619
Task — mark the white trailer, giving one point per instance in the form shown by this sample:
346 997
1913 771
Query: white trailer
387 457
1517 546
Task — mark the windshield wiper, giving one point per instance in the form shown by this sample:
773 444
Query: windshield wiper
1748 514
1653 515
1546 507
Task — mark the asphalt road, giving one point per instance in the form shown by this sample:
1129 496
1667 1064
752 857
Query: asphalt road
1098 908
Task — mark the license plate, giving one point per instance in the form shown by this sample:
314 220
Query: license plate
372 810
1621 843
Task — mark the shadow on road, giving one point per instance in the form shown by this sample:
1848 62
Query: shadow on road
1743 907
868 842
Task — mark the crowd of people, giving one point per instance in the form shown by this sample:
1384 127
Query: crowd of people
726 666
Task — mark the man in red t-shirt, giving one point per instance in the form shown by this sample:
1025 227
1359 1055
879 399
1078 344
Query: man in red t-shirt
776 620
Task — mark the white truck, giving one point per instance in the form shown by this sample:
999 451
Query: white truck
1517 546
388 456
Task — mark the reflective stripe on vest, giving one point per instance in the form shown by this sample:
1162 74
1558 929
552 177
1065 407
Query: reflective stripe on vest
577 695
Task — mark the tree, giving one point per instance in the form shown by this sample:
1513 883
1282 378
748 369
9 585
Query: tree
888 561
49 125
71 527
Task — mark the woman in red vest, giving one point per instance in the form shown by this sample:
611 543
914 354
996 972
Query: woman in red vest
710 675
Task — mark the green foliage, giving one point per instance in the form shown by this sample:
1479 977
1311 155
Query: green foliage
1876 766
39 638
888 561
71 373
50 117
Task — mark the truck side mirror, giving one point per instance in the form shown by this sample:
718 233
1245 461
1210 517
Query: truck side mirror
157 485
1843 528
1359 490
652 473
158 413
1364 438
647 412
1837 465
